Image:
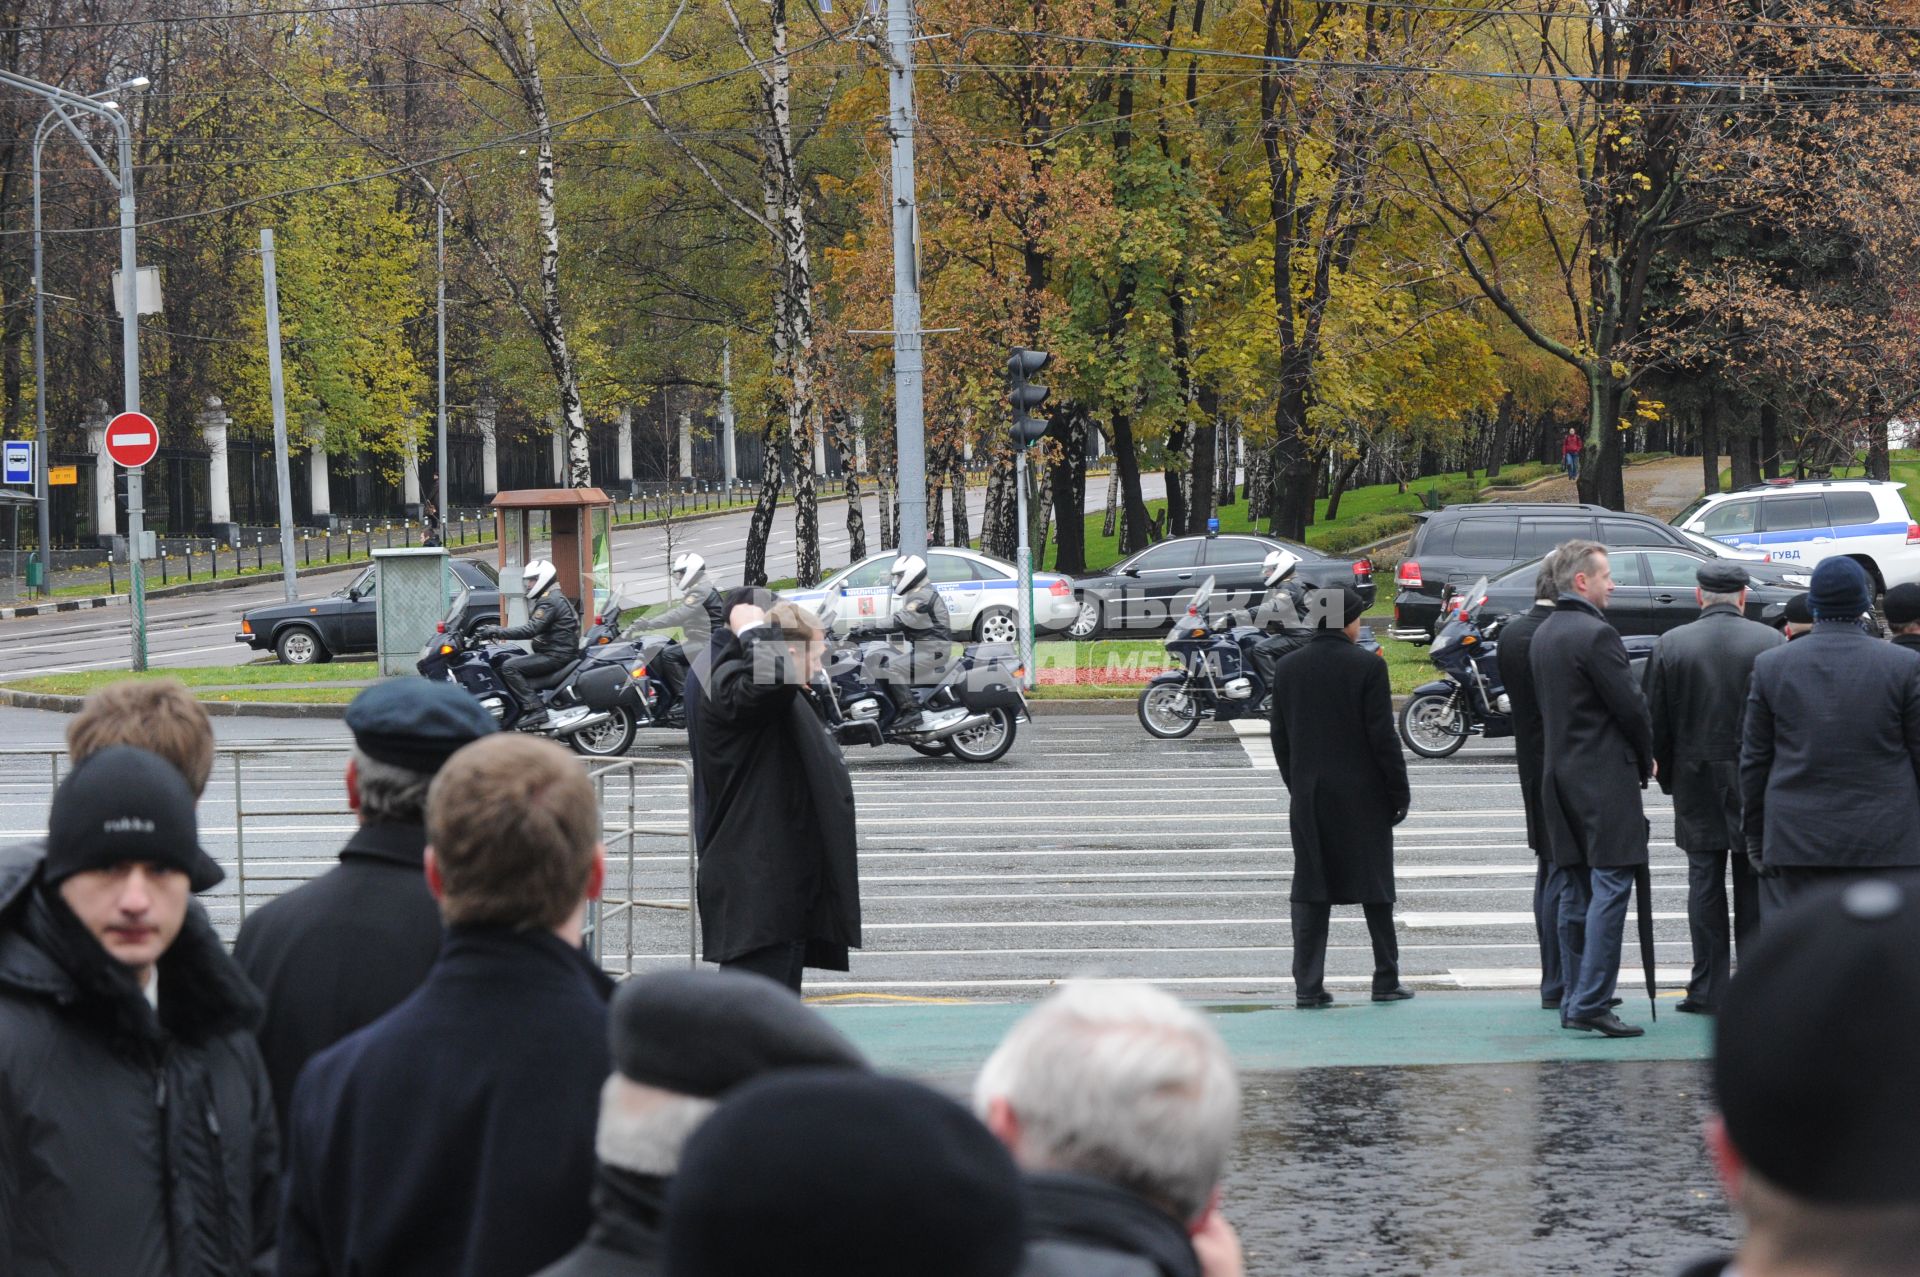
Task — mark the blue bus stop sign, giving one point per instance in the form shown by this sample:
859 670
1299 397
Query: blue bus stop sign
19 461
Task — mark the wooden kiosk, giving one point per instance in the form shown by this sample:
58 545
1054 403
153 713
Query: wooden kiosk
580 526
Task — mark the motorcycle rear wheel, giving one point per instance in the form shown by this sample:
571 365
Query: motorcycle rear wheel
985 743
609 740
932 749
1168 711
1433 725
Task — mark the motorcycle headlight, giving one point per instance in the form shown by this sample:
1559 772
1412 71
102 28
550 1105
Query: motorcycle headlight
1441 643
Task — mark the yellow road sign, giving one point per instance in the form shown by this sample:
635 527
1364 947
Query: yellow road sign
58 475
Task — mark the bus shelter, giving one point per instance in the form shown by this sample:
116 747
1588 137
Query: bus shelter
577 523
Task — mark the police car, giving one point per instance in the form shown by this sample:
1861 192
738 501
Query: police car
1804 521
981 594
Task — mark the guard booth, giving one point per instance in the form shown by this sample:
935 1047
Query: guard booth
412 590
579 526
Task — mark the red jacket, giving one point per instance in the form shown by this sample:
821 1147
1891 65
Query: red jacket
1572 444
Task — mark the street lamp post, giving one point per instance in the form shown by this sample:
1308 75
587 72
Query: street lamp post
63 104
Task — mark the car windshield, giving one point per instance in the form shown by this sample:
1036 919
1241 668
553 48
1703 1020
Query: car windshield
1686 514
360 585
1706 545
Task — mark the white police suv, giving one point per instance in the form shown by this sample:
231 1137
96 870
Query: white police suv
1807 520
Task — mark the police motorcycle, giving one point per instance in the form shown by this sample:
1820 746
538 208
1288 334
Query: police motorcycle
582 700
1218 679
1468 699
970 712
646 700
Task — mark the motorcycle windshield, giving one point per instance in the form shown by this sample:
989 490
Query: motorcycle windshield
1202 597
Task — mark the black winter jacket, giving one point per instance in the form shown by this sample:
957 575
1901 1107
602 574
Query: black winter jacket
552 625
130 1143
629 1214
1078 1226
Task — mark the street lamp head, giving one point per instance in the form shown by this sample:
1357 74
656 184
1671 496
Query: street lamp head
110 105
137 82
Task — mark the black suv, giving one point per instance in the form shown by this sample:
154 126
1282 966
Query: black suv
344 622
1460 544
1145 592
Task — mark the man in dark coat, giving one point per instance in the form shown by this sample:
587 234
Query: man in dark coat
136 1121
1830 761
1696 686
1599 755
681 1042
1901 605
339 952
1346 779
453 1137
779 881
1516 679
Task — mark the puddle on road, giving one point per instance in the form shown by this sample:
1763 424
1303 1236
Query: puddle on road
1479 1171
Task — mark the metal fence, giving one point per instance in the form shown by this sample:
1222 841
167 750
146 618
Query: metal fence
290 817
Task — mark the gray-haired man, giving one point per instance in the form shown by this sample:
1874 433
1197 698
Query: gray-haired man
1120 1105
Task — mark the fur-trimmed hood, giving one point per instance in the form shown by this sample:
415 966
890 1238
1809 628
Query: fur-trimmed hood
46 952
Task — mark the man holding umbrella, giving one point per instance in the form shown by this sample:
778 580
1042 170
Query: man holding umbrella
1599 756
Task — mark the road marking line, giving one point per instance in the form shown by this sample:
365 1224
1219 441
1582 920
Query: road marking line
1529 977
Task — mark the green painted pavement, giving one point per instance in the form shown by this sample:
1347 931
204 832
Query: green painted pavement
1442 1028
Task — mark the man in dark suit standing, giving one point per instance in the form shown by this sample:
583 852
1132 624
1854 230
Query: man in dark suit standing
1902 607
779 880
1830 760
1696 684
1339 755
1516 679
1599 755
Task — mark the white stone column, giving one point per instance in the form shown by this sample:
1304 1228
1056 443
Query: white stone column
106 516
966 451
410 476
623 448
728 465
319 493
213 425
484 416
857 424
686 446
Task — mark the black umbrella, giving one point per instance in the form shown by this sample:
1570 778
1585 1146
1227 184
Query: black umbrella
1643 900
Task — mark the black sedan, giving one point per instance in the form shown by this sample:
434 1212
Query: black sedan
1144 593
342 623
1653 590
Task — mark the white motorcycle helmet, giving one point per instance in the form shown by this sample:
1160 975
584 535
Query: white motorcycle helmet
909 573
538 578
689 570
1278 566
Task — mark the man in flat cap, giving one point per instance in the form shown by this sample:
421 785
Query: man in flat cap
1902 607
1830 753
1815 1053
1696 685
341 951
1796 616
136 1122
1334 739
681 1041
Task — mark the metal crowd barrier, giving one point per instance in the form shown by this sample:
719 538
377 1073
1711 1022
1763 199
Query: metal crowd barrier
319 791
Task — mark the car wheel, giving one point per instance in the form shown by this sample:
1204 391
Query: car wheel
997 625
298 645
1087 622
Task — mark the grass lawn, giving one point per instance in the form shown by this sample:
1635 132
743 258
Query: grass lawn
219 679
1366 514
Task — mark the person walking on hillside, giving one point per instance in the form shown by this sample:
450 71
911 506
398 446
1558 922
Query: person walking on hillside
1570 449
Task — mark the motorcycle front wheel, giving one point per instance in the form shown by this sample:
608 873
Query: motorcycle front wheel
609 740
1168 711
1433 725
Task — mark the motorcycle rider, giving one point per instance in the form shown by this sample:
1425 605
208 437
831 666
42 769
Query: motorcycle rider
554 628
700 613
1285 605
921 617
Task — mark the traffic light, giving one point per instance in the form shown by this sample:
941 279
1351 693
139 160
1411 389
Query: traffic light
1025 398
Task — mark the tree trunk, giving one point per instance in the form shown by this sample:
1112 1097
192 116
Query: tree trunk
1769 441
1205 462
1879 461
1291 486
1068 483
1040 505
937 500
1178 465
840 438
1227 481
1109 526
1135 535
962 536
1502 437
999 535
760 526
1710 444
1341 481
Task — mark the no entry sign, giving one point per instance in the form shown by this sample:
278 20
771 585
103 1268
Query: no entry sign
132 439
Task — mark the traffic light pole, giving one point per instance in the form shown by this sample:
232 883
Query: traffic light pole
1025 562
910 434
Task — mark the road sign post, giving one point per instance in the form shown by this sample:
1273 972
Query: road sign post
132 441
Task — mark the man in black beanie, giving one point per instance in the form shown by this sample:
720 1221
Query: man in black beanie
1339 755
1815 1053
1830 757
1902 607
136 1121
681 1041
339 952
838 1174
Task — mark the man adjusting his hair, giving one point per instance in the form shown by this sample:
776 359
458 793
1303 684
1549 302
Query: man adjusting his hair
554 628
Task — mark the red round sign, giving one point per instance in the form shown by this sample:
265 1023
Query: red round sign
132 439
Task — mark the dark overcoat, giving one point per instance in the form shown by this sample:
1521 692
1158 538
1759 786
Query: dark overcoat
1516 679
1830 758
777 848
337 953
453 1137
1078 1226
1339 755
131 1144
1696 686
626 1240
1598 739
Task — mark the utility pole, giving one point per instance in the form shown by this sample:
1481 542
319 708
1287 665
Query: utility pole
440 429
282 467
130 359
910 432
